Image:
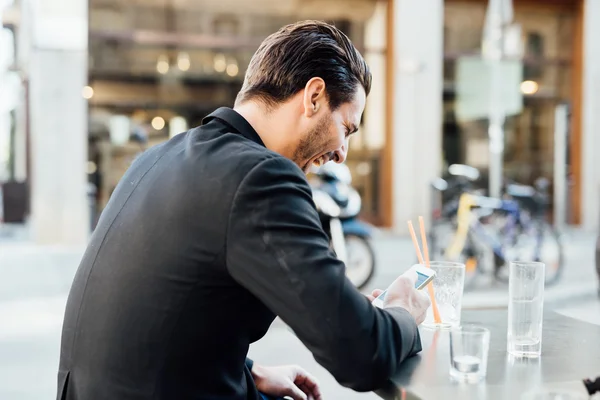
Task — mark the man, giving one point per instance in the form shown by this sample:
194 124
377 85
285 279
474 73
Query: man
211 235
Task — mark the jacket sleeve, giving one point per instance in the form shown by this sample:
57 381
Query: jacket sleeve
277 249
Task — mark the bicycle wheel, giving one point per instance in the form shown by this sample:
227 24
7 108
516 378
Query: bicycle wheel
525 248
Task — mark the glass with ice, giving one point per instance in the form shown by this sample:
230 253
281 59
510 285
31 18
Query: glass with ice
469 347
448 286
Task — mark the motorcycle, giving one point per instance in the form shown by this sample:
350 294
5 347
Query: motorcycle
338 205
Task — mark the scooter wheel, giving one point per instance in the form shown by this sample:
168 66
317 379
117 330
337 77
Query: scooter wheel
360 265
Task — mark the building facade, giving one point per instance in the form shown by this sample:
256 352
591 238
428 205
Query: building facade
427 128
118 77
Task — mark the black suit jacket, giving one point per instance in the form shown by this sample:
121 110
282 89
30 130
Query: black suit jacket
205 240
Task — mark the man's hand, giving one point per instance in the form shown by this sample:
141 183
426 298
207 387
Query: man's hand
289 380
402 293
375 294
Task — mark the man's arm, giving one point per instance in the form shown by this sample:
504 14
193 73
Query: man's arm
277 249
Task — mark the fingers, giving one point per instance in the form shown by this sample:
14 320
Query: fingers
403 284
311 395
308 384
374 294
425 298
295 393
411 274
425 304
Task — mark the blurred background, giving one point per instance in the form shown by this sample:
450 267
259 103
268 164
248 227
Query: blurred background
510 88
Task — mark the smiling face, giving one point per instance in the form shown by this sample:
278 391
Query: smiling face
325 135
304 92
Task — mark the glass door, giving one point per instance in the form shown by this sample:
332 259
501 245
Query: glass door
547 35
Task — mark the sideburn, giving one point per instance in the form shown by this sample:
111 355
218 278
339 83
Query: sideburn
313 142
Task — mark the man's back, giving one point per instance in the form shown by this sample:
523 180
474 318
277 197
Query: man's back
205 240
153 313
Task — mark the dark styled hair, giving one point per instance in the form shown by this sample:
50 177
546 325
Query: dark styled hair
290 57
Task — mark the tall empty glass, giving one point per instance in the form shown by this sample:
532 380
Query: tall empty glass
448 286
525 308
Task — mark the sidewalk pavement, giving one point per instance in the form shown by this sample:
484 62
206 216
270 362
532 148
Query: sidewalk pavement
30 270
36 279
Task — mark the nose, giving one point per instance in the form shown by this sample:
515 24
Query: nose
339 156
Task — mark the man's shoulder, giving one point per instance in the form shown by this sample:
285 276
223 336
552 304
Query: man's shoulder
245 156
274 163
272 169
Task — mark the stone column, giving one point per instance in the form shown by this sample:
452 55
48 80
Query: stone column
590 141
373 136
417 106
57 71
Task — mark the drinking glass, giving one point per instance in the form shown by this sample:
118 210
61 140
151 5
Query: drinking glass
469 347
448 286
525 308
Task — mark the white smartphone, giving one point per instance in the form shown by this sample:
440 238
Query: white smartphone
424 276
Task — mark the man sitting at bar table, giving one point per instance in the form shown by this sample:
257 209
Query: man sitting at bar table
211 235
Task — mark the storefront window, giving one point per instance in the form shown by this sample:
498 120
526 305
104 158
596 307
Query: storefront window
155 72
547 40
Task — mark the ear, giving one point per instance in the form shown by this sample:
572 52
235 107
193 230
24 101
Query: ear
314 96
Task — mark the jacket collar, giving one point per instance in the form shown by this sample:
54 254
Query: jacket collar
235 121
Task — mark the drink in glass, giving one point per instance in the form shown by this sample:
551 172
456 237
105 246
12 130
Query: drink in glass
525 308
448 286
469 347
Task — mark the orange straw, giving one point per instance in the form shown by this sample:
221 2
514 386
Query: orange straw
415 242
436 312
424 240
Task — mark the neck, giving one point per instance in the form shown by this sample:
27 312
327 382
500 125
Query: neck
273 126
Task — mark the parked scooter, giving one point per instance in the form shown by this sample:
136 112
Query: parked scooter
339 204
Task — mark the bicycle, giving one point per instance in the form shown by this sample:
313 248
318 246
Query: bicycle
503 226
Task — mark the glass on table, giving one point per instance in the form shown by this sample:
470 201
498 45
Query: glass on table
469 347
448 286
525 308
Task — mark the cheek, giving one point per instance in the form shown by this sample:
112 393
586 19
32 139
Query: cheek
337 138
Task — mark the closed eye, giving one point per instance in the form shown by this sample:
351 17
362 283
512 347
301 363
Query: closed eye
351 130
